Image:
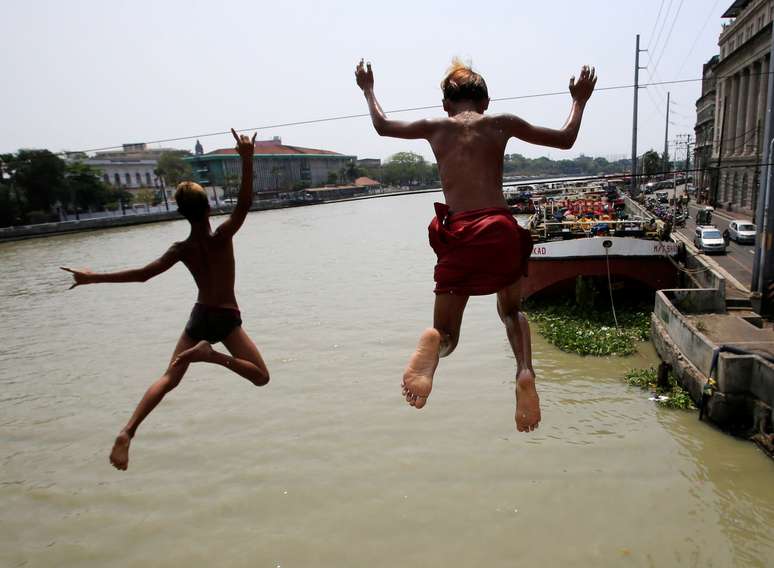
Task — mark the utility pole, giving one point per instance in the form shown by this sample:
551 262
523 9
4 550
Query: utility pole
635 188
665 165
763 267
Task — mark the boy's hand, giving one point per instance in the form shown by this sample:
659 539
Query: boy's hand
245 147
79 276
364 76
581 91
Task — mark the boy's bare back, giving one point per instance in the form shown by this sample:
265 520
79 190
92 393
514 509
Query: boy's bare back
207 254
469 145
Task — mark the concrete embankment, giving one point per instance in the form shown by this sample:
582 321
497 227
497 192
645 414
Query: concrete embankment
719 350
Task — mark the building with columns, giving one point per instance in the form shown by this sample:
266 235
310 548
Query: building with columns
741 86
705 125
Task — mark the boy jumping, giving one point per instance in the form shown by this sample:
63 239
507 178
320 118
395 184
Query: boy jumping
209 256
480 247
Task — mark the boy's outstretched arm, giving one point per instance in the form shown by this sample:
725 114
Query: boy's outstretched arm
383 125
246 149
161 264
563 138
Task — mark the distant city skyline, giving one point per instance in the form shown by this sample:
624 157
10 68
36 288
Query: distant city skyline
87 74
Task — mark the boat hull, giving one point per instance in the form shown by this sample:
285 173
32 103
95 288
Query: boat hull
555 265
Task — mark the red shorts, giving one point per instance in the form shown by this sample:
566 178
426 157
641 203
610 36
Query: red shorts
479 251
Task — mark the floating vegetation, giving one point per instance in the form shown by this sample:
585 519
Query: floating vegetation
674 396
591 331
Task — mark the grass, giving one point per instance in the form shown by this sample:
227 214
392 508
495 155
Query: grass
590 331
676 396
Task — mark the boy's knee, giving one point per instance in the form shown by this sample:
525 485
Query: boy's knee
260 379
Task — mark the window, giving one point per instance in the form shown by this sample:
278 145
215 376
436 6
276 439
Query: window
118 180
138 177
128 179
147 179
106 178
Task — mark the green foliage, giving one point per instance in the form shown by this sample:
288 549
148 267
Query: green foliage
675 396
516 164
408 168
86 188
173 168
590 331
651 162
41 175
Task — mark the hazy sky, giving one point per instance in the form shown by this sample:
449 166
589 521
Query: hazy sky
81 74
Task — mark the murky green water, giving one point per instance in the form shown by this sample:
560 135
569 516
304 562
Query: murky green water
327 466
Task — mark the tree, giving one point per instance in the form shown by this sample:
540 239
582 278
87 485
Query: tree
146 196
406 168
172 168
651 162
41 175
86 188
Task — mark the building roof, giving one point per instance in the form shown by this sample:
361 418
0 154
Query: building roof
735 9
270 147
365 181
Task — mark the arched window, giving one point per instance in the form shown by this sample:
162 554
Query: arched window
106 178
128 179
138 177
148 179
117 179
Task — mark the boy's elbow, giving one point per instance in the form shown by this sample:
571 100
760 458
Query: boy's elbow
567 142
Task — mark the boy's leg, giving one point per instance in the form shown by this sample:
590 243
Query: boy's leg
245 359
119 456
517 327
437 341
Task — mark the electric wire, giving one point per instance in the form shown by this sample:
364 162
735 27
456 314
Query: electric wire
393 111
698 36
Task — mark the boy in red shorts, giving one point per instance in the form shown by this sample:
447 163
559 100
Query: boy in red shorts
480 247
209 256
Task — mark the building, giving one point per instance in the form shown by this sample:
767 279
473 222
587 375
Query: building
371 163
277 167
705 126
741 86
132 168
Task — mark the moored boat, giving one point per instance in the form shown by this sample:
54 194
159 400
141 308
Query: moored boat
591 234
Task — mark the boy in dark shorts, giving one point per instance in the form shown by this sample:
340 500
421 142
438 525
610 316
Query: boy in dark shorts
209 256
480 247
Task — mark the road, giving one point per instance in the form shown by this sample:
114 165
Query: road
738 260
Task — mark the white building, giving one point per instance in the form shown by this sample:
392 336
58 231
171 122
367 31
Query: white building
132 168
741 84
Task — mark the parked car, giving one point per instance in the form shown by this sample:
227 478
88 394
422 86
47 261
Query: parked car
741 231
708 239
662 196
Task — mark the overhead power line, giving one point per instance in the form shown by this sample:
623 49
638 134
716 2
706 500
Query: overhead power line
394 111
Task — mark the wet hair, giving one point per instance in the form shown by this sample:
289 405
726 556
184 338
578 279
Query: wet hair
192 201
461 83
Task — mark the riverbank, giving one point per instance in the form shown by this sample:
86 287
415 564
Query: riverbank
9 234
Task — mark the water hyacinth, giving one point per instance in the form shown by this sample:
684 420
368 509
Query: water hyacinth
591 332
673 397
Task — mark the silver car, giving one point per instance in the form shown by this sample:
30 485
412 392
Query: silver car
708 239
741 231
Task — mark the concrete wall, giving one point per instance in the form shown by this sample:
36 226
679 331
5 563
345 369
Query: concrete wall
694 346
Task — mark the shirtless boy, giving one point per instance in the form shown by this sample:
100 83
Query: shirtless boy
209 256
480 247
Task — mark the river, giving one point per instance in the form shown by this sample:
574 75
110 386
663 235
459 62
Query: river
327 466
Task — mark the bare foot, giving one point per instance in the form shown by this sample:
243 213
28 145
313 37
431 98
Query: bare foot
202 351
119 456
418 376
527 402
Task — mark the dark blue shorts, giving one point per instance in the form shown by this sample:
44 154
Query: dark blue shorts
212 324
